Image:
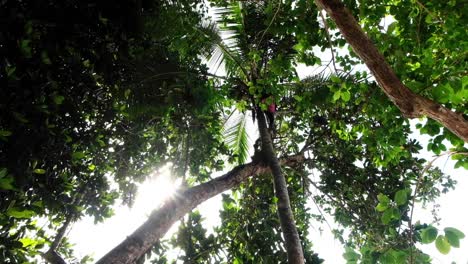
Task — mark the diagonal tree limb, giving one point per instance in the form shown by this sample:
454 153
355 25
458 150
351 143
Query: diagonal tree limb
160 220
411 104
51 255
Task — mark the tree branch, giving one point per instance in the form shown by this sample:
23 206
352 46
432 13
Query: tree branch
51 255
142 239
411 104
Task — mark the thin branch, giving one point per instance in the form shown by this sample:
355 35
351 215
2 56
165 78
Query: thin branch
430 12
51 255
327 33
271 22
416 189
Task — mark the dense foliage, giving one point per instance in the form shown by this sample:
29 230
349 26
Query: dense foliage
96 94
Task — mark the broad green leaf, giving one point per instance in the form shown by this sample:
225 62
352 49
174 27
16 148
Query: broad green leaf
39 171
396 214
26 49
335 79
459 233
336 95
387 216
5 133
45 58
3 172
20 117
27 242
350 255
442 244
399 256
345 96
10 71
274 199
78 155
401 197
6 183
429 234
298 98
58 99
387 258
381 207
383 198
452 238
14 212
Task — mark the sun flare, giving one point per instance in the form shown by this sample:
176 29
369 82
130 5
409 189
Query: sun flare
155 190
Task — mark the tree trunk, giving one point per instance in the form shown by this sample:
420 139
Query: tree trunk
160 220
411 104
288 226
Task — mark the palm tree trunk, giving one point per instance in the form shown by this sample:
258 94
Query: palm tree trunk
288 225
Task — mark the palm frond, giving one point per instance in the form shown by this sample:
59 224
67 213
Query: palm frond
236 136
224 30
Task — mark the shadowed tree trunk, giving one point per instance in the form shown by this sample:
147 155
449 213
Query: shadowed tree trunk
160 220
288 226
411 104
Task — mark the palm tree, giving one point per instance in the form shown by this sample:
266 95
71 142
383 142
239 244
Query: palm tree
245 43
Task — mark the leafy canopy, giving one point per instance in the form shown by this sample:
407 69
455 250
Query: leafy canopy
96 94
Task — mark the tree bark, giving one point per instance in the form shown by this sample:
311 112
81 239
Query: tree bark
288 225
411 104
135 245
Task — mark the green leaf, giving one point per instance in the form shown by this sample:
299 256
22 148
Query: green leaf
3 172
6 182
28 242
442 244
25 46
452 238
20 117
78 155
298 98
401 197
350 255
381 207
10 71
335 79
387 216
274 200
58 99
336 95
459 233
345 96
45 58
387 258
5 133
14 212
39 171
383 198
429 234
396 214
